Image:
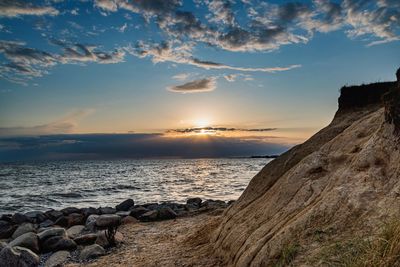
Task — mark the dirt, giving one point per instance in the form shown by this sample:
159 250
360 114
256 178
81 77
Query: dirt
179 242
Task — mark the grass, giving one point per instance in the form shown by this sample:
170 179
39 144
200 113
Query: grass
380 251
287 255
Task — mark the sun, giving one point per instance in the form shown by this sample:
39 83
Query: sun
201 123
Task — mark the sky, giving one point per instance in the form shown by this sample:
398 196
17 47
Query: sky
152 75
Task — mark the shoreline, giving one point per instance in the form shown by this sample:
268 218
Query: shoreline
78 235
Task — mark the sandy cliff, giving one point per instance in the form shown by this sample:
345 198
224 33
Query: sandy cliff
341 183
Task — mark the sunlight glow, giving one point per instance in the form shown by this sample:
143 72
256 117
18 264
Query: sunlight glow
200 123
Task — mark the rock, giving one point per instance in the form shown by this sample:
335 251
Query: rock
166 213
194 201
62 221
107 210
125 205
6 229
75 219
28 240
149 216
58 259
47 223
56 231
151 206
53 214
6 217
23 229
123 213
57 243
2 245
213 204
87 239
19 218
103 241
91 252
70 210
90 224
138 211
108 220
89 211
129 220
36 216
18 257
75 231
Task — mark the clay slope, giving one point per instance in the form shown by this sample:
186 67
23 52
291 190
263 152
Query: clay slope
342 181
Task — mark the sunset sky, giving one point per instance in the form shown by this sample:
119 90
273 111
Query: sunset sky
253 72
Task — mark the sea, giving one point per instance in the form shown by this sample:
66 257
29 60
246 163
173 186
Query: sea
29 186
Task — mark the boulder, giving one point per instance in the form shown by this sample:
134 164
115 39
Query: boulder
166 213
87 239
151 206
58 259
62 221
69 210
56 231
75 219
123 213
18 257
129 220
36 216
23 229
138 211
213 204
19 218
108 220
89 211
91 252
6 217
6 229
2 245
57 243
103 241
47 223
75 231
125 205
28 240
53 214
196 201
107 210
151 215
90 224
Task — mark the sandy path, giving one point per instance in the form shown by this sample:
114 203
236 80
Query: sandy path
180 242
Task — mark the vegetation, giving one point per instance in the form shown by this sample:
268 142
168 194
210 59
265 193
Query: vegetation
287 255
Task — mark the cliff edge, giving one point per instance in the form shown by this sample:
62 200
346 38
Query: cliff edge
341 183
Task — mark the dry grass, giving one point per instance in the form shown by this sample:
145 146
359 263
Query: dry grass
380 251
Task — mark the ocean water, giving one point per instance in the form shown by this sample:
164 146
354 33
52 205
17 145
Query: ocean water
58 184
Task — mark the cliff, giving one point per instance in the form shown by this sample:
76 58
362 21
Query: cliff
341 184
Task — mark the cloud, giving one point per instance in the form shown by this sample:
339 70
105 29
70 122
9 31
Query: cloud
196 86
181 76
230 77
67 124
117 146
123 28
16 8
24 63
219 129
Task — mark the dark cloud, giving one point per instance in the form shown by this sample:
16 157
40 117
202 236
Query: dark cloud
196 86
220 129
113 146
15 8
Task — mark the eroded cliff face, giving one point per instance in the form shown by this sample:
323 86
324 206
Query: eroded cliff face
343 180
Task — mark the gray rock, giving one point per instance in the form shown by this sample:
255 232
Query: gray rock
91 252
123 213
129 220
18 257
56 231
53 214
36 216
125 205
196 201
103 241
6 229
75 231
108 220
107 210
19 218
23 229
2 245
138 211
62 221
90 224
57 243
46 223
75 219
70 210
166 213
151 215
28 240
58 259
89 211
85 240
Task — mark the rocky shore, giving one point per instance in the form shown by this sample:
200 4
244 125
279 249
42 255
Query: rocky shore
78 235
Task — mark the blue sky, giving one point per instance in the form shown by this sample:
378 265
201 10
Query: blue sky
152 66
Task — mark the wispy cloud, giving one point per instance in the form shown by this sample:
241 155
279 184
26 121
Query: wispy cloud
196 86
16 8
219 129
